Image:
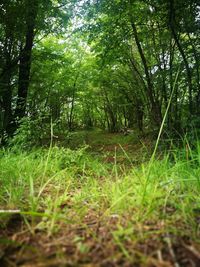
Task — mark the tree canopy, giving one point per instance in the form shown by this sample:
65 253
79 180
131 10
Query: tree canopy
107 64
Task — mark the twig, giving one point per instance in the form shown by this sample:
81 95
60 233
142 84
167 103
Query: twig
171 251
193 250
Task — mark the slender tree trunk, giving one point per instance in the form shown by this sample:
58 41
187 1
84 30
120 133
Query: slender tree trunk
7 98
6 90
70 121
110 114
25 60
140 114
196 57
155 107
171 112
160 62
180 48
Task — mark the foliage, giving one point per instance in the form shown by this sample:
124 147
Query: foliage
95 82
30 134
101 64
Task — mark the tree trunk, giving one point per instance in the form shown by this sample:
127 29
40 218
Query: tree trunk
6 91
155 107
70 121
180 48
25 60
196 57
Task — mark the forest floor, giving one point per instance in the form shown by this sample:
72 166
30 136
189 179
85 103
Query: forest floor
103 204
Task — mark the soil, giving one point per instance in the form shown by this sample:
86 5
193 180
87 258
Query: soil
92 243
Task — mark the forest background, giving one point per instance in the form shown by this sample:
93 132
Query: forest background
106 64
99 133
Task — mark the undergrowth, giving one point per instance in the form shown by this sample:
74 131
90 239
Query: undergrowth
109 192
51 184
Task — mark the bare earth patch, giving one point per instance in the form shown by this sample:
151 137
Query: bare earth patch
94 242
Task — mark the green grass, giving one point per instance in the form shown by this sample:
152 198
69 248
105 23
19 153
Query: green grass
61 186
24 182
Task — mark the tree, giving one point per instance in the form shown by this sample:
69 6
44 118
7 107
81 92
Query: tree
32 19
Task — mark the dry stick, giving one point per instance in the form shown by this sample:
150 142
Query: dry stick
171 251
159 254
193 250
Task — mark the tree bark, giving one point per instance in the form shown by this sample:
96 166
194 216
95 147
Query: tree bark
180 48
5 86
196 57
70 121
25 60
155 107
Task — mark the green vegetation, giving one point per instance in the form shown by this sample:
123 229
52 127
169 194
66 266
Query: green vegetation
98 196
105 64
99 133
